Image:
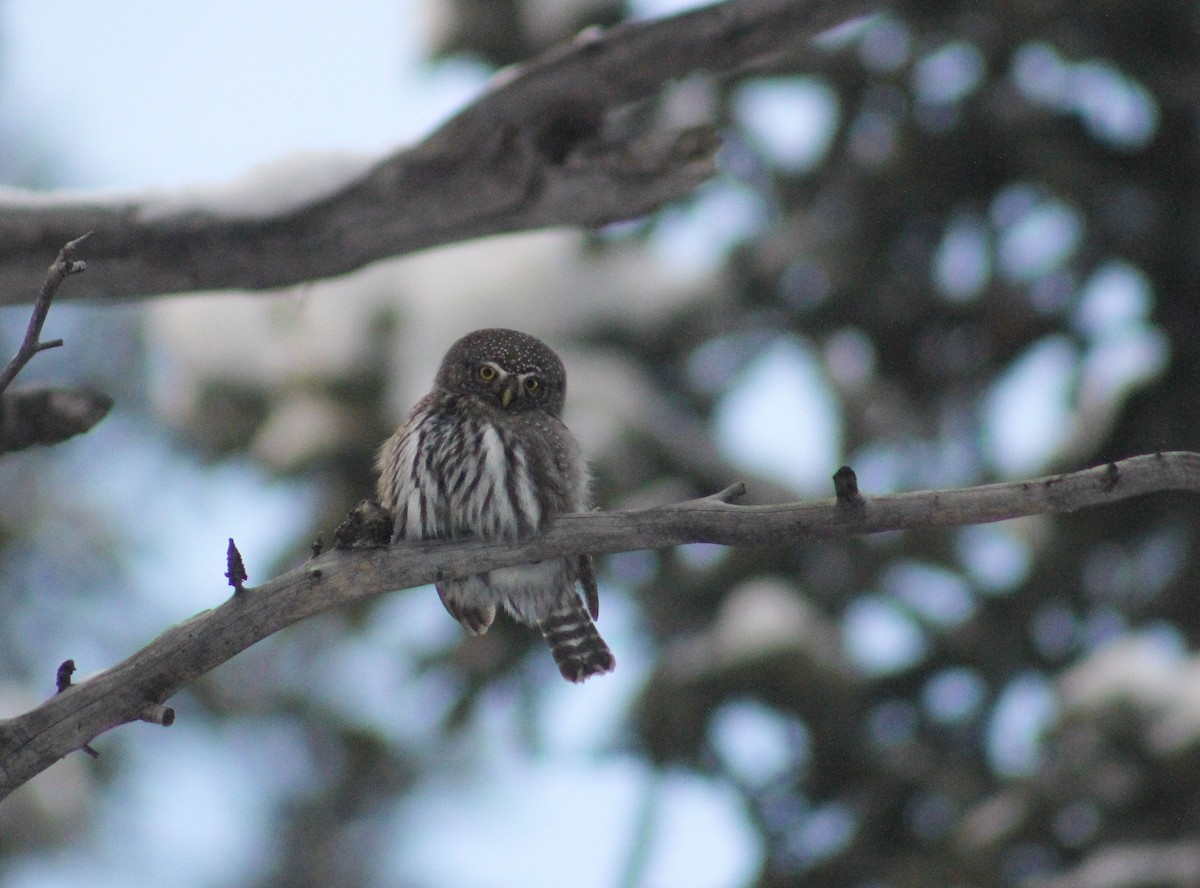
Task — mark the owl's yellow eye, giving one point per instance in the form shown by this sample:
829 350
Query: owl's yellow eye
487 373
532 384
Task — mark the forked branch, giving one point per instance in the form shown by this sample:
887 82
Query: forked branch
46 415
63 266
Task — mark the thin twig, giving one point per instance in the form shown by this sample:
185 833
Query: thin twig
60 269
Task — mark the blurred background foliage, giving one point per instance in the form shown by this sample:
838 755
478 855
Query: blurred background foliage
957 245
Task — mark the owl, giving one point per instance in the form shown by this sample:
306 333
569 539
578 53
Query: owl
485 454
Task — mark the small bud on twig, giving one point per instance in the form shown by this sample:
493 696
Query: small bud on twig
62 678
235 570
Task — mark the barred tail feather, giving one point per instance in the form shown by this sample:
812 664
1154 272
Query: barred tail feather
575 643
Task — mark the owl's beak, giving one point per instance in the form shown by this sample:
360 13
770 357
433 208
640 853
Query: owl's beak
511 387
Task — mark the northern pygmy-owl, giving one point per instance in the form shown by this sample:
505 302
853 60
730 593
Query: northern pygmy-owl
486 454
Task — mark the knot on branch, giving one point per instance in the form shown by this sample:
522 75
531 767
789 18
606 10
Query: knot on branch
570 124
845 488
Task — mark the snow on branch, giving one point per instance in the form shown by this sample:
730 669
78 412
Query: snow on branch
136 688
537 149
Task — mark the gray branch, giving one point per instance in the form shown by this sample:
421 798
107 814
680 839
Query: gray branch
30 417
136 688
543 146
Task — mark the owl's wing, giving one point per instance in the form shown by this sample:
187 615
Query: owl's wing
587 579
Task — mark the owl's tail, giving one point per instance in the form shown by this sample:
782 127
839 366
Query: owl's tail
575 643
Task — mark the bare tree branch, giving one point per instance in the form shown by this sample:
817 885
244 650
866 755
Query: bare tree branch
48 415
536 150
32 343
133 689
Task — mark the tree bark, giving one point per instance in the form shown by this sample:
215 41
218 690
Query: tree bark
537 149
136 688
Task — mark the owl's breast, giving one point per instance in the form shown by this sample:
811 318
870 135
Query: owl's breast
454 473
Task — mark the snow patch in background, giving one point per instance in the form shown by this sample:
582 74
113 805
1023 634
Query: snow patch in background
781 420
792 119
1028 413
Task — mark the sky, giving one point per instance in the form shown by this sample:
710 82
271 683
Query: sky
164 94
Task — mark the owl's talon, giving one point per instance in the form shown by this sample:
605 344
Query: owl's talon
477 622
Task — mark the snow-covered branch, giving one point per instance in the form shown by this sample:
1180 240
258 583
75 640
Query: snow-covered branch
127 692
541 147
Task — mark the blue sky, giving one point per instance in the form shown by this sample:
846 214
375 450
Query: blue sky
148 93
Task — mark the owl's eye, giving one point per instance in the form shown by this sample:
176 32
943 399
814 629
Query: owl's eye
487 373
532 384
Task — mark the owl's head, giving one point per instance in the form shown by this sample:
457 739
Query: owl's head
510 369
